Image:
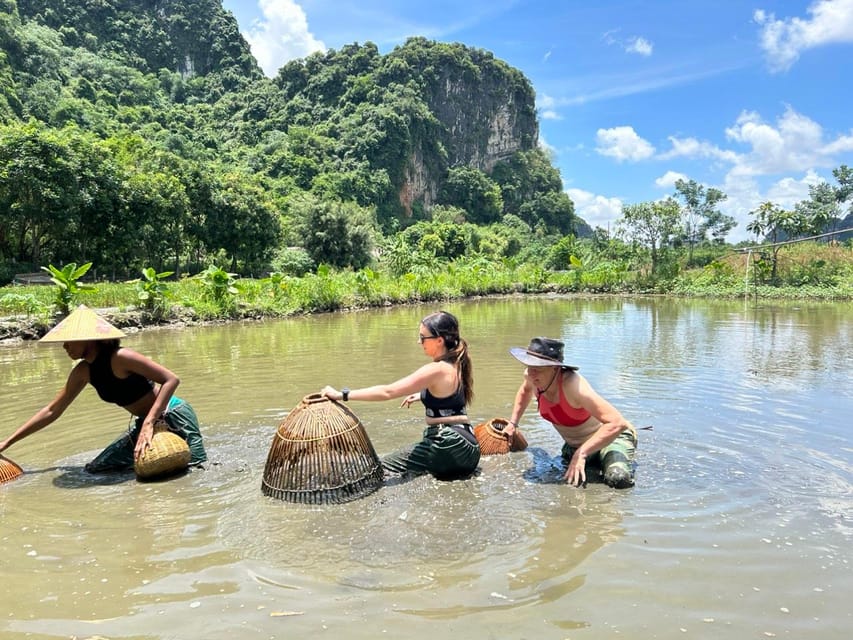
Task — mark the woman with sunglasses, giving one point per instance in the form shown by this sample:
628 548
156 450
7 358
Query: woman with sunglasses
445 387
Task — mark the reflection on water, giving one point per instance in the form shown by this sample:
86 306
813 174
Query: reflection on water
740 524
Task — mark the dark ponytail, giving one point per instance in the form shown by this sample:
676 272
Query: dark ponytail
445 324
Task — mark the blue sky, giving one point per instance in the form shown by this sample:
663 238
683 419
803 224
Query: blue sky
751 97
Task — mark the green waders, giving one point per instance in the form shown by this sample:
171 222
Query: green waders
616 460
444 452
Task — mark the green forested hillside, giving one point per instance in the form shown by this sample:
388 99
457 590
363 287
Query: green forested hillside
141 133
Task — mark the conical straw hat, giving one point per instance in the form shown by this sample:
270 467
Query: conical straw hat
82 324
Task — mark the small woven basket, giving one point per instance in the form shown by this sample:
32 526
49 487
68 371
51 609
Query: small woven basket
321 454
493 440
9 470
168 454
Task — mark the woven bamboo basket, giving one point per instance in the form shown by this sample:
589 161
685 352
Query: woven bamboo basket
321 454
168 454
493 440
9 470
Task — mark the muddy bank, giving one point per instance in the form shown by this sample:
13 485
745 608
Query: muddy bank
14 329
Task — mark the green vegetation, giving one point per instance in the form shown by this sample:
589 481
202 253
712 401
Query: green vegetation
135 140
805 271
68 286
152 291
132 138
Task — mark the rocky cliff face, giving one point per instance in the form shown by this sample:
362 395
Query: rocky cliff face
486 114
486 121
418 184
385 128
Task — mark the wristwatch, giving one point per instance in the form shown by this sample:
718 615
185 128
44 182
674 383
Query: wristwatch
345 394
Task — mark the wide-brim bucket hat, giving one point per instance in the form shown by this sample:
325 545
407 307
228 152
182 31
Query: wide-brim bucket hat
82 324
542 352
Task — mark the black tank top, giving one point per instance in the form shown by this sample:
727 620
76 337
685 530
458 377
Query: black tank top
121 391
452 405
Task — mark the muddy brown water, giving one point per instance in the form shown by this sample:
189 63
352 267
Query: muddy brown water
740 525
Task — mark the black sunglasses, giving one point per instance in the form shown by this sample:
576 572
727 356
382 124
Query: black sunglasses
421 338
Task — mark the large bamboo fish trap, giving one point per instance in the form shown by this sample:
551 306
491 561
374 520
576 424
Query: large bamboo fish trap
168 455
321 454
9 470
493 440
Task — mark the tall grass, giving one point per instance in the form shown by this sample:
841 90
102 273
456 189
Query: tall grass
807 270
815 271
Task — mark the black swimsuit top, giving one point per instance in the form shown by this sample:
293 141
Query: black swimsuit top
121 391
452 405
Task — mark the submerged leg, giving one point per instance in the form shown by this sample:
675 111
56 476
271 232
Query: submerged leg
118 456
617 460
411 460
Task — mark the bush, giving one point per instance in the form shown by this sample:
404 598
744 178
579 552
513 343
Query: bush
293 261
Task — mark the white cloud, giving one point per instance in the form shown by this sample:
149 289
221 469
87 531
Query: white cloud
639 45
550 114
282 35
841 144
743 195
783 41
693 148
788 191
596 210
668 180
775 161
795 143
746 193
620 85
623 143
545 101
633 44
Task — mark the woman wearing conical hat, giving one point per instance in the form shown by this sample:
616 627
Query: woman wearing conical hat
121 376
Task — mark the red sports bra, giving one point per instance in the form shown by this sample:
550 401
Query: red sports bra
561 412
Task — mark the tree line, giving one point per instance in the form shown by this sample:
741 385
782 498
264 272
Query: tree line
131 137
134 139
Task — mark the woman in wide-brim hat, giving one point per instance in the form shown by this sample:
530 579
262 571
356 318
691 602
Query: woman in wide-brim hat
142 387
593 430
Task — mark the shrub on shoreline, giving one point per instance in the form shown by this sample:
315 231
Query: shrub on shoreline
817 275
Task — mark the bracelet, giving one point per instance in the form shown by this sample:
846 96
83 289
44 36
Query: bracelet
514 424
345 394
